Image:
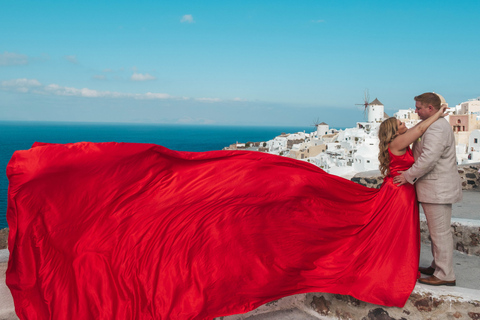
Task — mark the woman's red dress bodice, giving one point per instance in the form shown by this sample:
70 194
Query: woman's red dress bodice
400 163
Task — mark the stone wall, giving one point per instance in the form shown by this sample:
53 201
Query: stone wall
422 304
466 235
468 173
3 238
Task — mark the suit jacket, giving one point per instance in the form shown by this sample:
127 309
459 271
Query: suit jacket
435 172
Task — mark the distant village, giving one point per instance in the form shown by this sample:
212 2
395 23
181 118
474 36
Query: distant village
353 150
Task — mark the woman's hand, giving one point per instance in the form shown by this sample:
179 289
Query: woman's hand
443 111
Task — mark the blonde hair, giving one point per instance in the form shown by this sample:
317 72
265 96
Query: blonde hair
386 133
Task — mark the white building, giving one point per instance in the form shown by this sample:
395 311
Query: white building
366 155
473 152
354 149
474 141
322 129
281 144
404 114
277 145
468 107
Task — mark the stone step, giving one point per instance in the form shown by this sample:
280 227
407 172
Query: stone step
469 207
467 267
424 303
7 309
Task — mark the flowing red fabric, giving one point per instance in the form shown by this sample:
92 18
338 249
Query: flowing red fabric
138 231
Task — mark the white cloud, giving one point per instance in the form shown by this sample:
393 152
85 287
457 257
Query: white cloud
34 86
20 85
141 77
72 59
57 90
150 95
208 99
188 18
13 59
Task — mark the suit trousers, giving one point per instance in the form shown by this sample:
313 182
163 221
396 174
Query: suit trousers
439 225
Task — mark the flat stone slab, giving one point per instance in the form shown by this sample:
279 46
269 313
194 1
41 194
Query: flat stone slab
7 308
291 314
467 267
469 207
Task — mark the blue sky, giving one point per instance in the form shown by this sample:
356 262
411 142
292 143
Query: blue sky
270 63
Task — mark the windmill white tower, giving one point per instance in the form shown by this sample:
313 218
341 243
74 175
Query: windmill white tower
375 110
322 129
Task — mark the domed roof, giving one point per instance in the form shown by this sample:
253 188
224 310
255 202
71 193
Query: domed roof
442 99
375 103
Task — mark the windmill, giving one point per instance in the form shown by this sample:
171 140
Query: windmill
365 103
321 127
316 122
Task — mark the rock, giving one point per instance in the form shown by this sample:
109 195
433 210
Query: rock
423 305
474 315
475 239
3 238
378 314
321 305
348 299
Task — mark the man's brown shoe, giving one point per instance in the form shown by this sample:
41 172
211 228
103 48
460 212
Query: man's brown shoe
434 281
428 271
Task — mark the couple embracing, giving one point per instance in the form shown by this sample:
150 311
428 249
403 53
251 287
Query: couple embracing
434 174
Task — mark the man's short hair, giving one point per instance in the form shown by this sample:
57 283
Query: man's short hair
429 98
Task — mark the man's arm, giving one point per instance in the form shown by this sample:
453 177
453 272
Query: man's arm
433 148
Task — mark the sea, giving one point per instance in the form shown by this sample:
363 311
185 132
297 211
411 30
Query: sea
21 135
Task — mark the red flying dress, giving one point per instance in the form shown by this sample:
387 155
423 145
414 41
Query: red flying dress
138 231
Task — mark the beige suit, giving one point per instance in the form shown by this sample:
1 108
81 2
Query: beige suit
438 185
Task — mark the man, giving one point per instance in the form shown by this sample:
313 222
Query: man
438 185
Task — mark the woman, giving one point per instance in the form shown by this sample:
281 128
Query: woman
138 231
